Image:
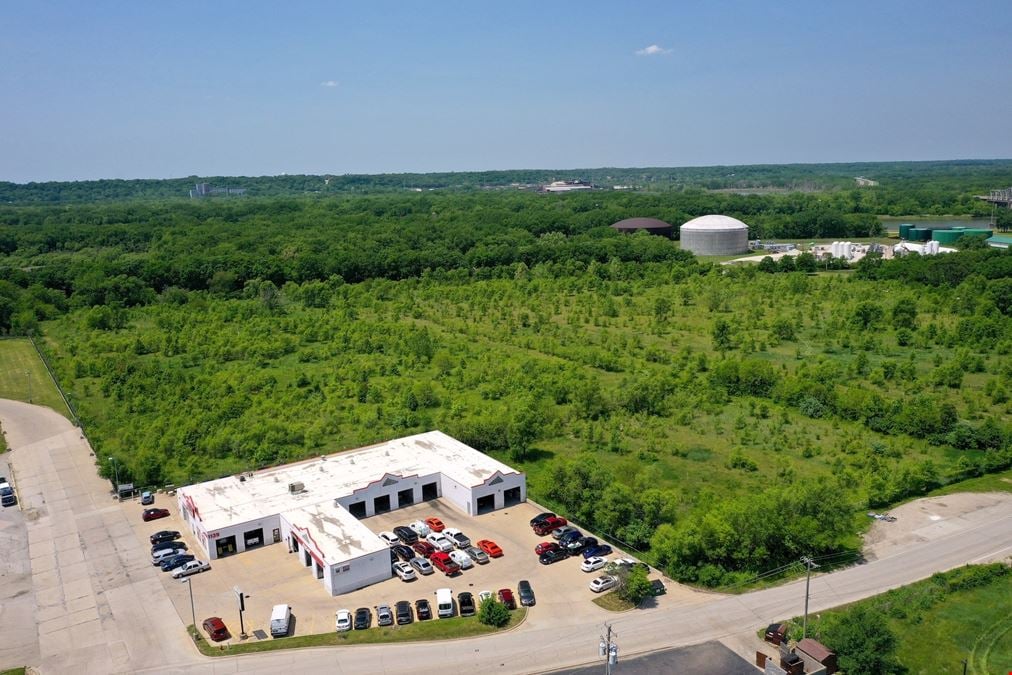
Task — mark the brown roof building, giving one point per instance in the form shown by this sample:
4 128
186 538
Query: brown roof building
651 225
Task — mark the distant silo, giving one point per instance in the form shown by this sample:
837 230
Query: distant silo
714 235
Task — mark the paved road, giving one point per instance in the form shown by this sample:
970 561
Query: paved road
102 609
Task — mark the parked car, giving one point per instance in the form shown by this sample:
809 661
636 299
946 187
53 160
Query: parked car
421 565
158 556
593 563
462 559
192 567
440 542
465 602
566 534
215 629
7 496
154 514
490 547
390 538
420 528
477 555
405 553
600 550
342 620
458 538
406 534
424 548
281 620
546 546
549 557
384 617
404 571
147 498
581 543
162 536
176 561
435 524
657 588
403 611
526 593
603 583
483 596
161 546
442 562
541 517
423 610
506 598
549 524
617 564
363 618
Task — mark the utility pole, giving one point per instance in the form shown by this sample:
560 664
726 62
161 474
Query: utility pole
809 565
608 649
115 467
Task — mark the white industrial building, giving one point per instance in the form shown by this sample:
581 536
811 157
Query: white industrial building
314 507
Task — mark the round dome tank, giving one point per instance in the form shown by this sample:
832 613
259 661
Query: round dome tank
714 235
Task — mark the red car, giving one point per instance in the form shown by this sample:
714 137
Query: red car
215 628
549 524
506 598
435 524
545 547
424 548
444 563
154 514
490 547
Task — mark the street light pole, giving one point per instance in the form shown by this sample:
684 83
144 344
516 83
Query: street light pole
193 613
115 467
809 565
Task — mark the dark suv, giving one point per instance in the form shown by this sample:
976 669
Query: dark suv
526 593
363 618
406 534
403 611
423 610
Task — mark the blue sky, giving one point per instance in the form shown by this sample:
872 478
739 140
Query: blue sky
142 89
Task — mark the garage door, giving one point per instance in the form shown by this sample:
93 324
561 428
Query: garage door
511 497
486 504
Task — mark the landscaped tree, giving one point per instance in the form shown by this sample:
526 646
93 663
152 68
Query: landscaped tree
494 613
634 585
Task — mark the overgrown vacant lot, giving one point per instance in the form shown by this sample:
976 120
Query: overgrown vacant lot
636 396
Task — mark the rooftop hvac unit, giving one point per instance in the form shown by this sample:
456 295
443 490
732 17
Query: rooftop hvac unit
296 487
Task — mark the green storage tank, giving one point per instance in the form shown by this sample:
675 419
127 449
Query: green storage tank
920 234
978 231
947 236
905 230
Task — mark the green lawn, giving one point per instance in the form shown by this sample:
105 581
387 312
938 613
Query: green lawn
613 602
21 365
993 482
441 629
13 671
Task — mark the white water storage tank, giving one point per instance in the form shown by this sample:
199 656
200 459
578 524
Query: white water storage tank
714 235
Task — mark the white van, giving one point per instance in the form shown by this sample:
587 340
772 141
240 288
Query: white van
444 603
281 616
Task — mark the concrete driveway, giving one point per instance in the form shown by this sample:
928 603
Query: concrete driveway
99 605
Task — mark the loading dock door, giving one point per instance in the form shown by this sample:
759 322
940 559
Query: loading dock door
381 504
511 497
253 538
357 509
405 498
486 504
225 546
430 491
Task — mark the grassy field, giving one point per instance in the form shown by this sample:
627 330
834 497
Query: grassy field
441 629
995 482
943 620
613 602
19 365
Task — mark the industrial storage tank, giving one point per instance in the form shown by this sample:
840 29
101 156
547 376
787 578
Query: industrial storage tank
650 225
947 236
714 235
905 230
978 232
920 234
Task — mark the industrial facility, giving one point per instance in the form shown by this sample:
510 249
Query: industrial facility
648 225
908 232
714 235
315 506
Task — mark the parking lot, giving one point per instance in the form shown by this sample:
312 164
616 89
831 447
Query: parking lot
271 575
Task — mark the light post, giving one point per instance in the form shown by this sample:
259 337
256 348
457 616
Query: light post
193 613
608 649
809 565
115 468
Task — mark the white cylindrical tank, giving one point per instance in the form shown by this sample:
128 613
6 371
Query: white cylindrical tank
714 235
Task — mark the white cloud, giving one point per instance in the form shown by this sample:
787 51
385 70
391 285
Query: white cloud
652 50
329 83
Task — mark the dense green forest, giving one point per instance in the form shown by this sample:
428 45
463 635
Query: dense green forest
721 420
931 186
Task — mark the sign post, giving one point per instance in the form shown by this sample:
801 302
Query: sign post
242 608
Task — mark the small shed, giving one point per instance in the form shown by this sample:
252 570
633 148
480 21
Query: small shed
813 650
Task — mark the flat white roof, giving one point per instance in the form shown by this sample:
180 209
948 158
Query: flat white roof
251 496
336 533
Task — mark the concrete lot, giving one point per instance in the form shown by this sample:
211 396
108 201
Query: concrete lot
20 644
271 575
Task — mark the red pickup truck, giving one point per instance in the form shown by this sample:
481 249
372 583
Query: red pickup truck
442 562
549 524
